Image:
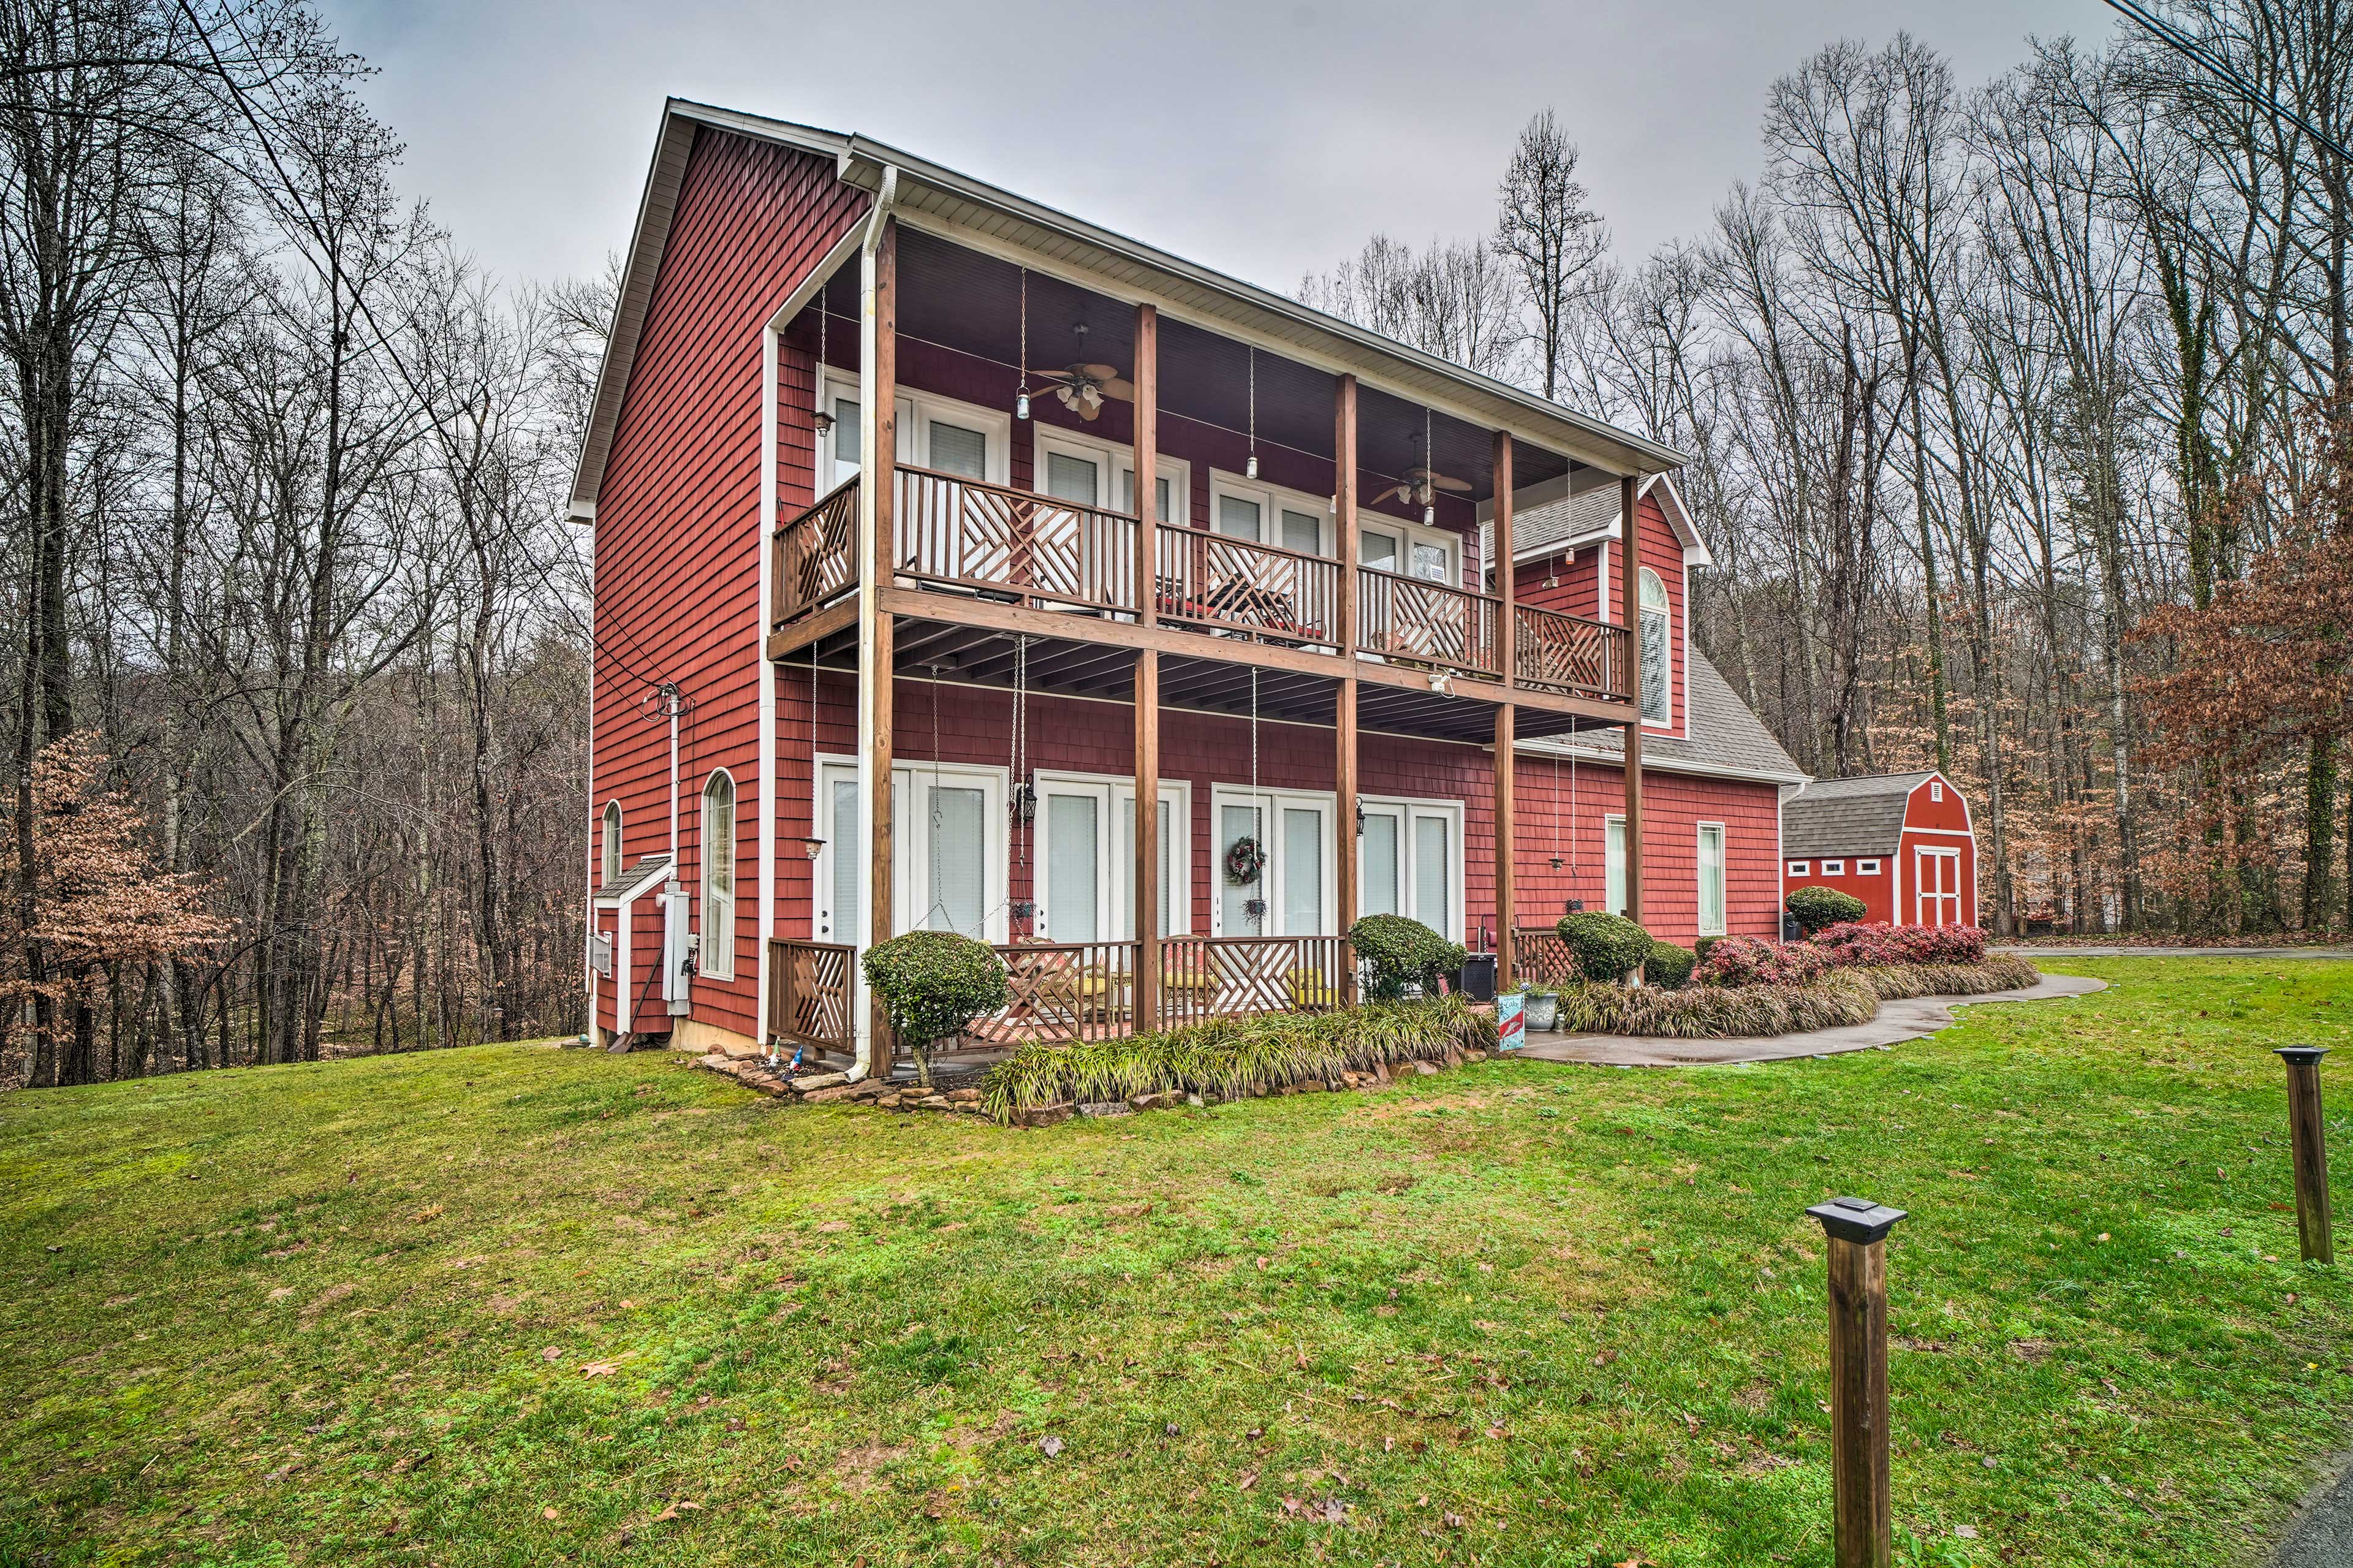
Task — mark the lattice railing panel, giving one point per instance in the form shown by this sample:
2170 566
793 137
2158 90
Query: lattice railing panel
808 992
1063 991
1229 977
1212 579
1570 654
961 532
1410 620
813 554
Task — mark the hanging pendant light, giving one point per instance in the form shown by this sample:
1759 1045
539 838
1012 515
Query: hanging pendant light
1021 397
1249 465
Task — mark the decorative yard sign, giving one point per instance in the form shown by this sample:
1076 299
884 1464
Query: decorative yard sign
1511 1020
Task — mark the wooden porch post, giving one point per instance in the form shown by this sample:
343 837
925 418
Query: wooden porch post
1146 881
1506 721
1345 829
1629 612
1343 510
1147 838
876 670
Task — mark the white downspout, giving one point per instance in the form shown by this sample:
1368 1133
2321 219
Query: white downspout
869 670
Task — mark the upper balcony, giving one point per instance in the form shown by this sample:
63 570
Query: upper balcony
1023 406
965 537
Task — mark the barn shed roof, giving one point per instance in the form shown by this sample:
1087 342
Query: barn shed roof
1848 817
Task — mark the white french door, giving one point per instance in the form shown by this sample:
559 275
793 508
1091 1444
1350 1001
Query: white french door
1409 862
1086 860
1936 887
1293 892
947 860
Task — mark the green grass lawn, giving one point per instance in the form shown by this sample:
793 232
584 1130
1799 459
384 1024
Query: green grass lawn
515 1305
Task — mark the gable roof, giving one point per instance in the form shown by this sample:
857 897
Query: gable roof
1725 740
1848 817
973 212
1553 517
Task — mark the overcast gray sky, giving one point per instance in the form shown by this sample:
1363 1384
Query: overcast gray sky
1259 137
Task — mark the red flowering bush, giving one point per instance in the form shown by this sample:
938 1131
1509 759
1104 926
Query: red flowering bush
1857 942
1752 960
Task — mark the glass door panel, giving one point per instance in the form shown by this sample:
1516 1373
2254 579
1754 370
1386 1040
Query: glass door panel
1433 871
1378 863
1072 906
955 876
1239 518
1235 823
1301 873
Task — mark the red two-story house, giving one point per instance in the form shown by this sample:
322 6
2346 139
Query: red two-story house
961 564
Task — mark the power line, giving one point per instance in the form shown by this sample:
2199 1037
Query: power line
2182 43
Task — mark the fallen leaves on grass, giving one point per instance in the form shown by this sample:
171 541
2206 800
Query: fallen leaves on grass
1049 1447
673 1510
598 1369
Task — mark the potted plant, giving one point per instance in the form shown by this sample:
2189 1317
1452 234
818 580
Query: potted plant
933 983
1542 1006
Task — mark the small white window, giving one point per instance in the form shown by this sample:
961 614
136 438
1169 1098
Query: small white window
1866 867
611 848
1833 868
1710 879
1798 867
1613 864
1936 790
717 958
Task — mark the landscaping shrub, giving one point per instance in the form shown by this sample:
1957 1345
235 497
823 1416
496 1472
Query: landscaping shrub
1717 1012
1230 1058
1819 907
933 983
2003 971
1699 948
1740 960
1605 946
1668 964
1879 942
1402 950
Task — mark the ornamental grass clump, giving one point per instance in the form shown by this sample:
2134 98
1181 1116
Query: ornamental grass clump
1402 952
933 983
2002 971
1230 1058
1816 907
1717 1012
1606 947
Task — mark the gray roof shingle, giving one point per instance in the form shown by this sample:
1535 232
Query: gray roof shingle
1848 817
1725 736
635 879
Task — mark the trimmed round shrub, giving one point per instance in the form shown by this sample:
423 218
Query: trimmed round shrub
1402 950
1668 964
1699 948
1605 946
1736 961
1816 907
933 983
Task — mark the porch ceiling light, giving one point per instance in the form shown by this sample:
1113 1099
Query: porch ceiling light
814 847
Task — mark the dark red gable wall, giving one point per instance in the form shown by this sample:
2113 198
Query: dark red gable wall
677 544
973 727
1577 589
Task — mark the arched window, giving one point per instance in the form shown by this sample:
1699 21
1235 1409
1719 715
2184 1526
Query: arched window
1657 664
611 848
718 955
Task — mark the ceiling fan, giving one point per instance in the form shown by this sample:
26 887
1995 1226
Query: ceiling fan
1421 485
1083 386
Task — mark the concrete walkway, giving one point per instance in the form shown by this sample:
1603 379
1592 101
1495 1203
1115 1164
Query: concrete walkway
2178 952
1908 1019
2320 1535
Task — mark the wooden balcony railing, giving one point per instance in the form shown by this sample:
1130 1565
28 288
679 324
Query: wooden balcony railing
1410 620
813 554
1214 581
808 992
1570 655
1540 955
1231 977
1063 991
961 534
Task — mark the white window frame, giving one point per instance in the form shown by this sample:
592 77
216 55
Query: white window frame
916 410
1116 874
1800 868
1406 810
1613 865
1409 535
1699 878
1270 804
1936 791
1273 501
1866 867
714 909
608 851
1665 610
1833 868
910 864
1118 467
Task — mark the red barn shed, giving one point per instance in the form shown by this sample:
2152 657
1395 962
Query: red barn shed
1900 842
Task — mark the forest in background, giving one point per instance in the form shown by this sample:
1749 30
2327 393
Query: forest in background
2016 413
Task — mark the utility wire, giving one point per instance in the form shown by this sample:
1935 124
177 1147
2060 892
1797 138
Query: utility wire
2182 43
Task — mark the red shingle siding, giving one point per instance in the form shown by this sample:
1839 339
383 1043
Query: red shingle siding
1578 589
677 516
